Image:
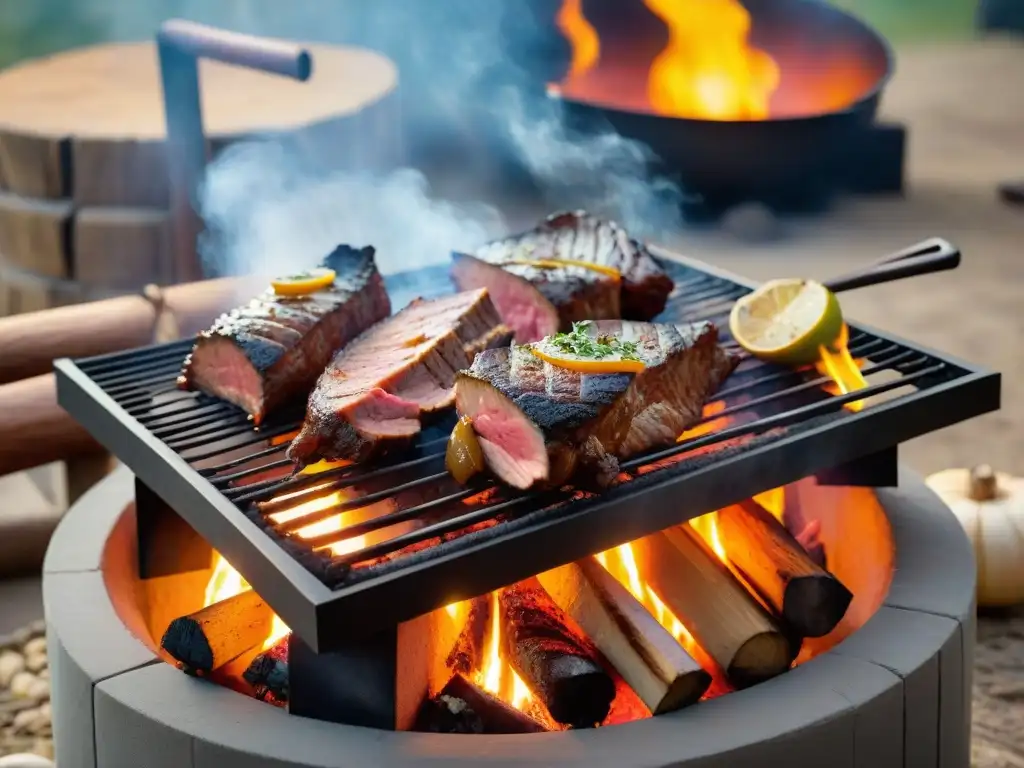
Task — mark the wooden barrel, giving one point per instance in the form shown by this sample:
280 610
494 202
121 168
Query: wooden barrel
84 191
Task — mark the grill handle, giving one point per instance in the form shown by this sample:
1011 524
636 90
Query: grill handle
180 46
931 255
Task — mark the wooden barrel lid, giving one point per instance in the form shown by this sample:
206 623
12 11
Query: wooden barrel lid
113 92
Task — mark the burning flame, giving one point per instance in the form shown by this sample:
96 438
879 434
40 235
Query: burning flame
708 69
226 582
621 563
710 424
586 45
837 363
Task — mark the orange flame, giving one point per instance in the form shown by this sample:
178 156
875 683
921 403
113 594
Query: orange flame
227 582
621 563
837 363
710 425
708 69
581 35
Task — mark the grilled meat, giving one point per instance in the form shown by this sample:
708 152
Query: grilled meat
547 294
373 393
272 350
540 424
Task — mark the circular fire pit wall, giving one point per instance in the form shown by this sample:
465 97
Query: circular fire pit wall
894 692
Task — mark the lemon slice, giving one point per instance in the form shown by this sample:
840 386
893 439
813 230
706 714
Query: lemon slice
303 283
611 272
786 321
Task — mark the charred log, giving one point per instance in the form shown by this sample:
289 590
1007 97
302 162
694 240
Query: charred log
554 659
723 617
469 647
209 638
644 653
463 707
268 673
809 599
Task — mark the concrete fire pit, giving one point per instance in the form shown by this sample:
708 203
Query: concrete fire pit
895 693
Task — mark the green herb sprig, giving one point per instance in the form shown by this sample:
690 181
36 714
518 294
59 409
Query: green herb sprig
581 344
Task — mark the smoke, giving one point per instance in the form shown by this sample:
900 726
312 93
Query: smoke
266 212
267 216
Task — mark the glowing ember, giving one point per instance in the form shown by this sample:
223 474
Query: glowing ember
582 37
774 501
707 526
708 69
837 363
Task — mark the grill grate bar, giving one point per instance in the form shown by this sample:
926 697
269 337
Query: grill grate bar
228 479
144 402
786 419
256 437
209 472
201 415
336 478
298 523
99 365
212 433
384 521
159 367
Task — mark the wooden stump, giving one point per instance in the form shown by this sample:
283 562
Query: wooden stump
83 178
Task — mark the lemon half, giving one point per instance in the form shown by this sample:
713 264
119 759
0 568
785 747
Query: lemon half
786 321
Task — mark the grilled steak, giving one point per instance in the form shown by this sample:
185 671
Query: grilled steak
373 393
272 350
538 293
540 424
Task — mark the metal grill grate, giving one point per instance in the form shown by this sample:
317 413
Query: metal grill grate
411 539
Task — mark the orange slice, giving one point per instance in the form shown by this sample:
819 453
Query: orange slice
303 283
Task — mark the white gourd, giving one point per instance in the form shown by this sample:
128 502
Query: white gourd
990 507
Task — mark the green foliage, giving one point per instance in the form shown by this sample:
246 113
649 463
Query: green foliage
30 28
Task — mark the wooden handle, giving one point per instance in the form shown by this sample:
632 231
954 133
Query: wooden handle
932 255
31 342
264 54
34 430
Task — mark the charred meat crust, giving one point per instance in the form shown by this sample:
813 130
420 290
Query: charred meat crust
579 236
372 395
271 350
589 422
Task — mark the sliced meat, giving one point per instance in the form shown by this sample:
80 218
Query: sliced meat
374 391
273 349
538 300
545 294
543 425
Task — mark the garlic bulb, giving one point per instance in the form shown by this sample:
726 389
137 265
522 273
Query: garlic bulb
990 507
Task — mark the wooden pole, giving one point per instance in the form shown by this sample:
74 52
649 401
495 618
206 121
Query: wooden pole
648 657
809 599
213 636
725 620
31 342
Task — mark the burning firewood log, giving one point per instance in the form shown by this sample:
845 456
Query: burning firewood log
211 637
554 660
469 647
726 620
809 599
463 707
268 672
648 657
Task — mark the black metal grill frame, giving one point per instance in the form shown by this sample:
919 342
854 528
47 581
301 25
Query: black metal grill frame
325 600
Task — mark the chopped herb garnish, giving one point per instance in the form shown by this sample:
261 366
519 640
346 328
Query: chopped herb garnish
581 344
